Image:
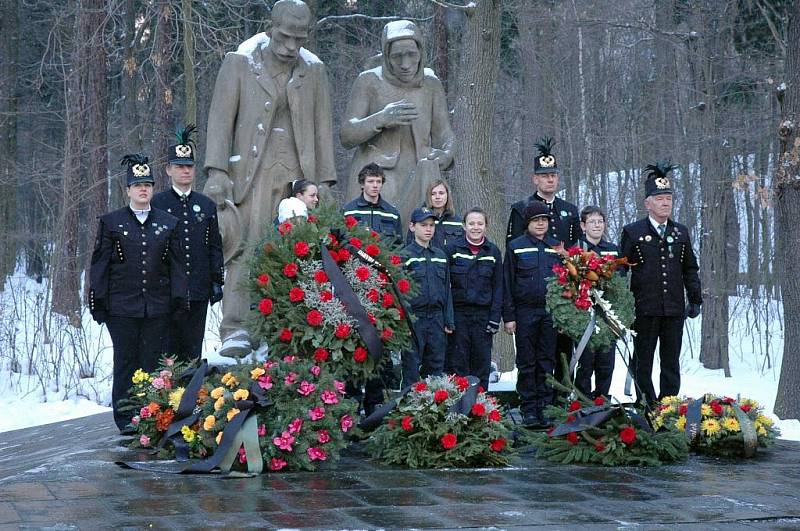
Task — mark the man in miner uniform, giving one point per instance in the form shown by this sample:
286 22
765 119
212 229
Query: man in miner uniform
137 281
663 265
200 244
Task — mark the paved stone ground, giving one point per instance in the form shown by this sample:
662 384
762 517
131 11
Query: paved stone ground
62 476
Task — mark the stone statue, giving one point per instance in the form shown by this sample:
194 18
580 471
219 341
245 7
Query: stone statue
397 117
269 124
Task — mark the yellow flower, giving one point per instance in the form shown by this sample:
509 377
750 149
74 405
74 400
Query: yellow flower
230 380
710 426
669 410
658 422
761 430
219 403
670 400
748 402
706 411
218 392
175 397
681 423
208 424
731 424
232 413
189 435
256 373
140 376
764 420
241 394
219 438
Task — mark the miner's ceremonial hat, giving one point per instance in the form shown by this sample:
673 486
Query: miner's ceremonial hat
138 170
183 152
657 181
545 161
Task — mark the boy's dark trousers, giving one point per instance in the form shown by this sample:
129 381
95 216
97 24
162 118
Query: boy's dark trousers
428 358
470 346
601 363
536 346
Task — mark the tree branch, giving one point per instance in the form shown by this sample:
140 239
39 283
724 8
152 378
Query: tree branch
359 16
469 8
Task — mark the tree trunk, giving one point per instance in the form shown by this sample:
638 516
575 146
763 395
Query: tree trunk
9 57
190 97
162 92
787 230
439 48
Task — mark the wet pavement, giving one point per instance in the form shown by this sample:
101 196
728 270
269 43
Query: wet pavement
63 476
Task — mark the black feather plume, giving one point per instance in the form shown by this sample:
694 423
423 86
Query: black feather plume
544 145
660 168
131 159
185 136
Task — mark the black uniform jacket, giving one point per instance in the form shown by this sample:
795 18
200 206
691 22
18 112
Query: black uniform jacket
136 268
476 279
565 225
428 267
448 229
200 241
382 217
529 263
661 269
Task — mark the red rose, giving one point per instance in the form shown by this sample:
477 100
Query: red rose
461 382
286 335
301 249
386 334
342 331
290 270
440 396
262 280
360 354
574 405
574 251
344 255
583 303
683 408
321 354
325 295
362 273
355 242
716 408
296 294
403 285
627 435
497 445
350 222
320 277
420 387
600 400
478 409
265 306
312 218
388 300
448 441
373 295
572 437
395 260
494 415
746 408
285 227
314 318
407 423
372 250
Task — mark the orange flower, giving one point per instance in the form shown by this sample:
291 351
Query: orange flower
154 408
164 419
202 396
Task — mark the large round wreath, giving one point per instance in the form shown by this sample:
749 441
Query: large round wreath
585 283
299 312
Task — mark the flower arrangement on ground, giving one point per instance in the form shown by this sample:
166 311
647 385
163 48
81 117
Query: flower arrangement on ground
299 312
437 425
716 425
596 431
585 283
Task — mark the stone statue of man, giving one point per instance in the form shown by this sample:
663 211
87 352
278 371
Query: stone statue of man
269 124
397 118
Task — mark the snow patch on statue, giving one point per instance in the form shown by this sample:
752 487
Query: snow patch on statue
260 41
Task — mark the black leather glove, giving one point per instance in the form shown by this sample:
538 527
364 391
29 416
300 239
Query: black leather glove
692 310
216 293
492 327
100 316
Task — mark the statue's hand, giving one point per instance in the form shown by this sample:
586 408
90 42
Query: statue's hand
219 187
398 113
441 156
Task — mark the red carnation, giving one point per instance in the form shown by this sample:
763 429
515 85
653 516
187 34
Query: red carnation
600 400
262 280
360 354
371 317
574 251
286 335
344 255
599 447
683 408
716 408
296 294
321 354
448 441
332 241
314 318
265 306
325 295
342 331
312 218
395 260
285 227
320 277
572 437
440 396
746 408
627 435
290 270
461 382
574 405
301 249
374 234
403 285
571 418
350 222
583 303
401 312
498 445
334 255
355 242
383 279
494 415
727 400
388 300
407 423
478 409
372 250
386 334
420 386
362 273
373 295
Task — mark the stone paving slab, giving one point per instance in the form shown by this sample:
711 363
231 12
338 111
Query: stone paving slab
63 476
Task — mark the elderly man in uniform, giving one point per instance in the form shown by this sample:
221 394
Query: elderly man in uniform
136 281
269 124
200 244
663 267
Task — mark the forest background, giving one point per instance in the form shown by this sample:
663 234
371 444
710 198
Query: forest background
713 85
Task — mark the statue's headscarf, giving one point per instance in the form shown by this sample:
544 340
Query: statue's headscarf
399 30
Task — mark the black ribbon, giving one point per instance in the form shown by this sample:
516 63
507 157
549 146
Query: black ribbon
185 414
590 417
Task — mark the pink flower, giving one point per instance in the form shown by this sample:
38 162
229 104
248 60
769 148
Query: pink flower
169 362
269 365
135 420
316 413
265 381
316 454
262 430
277 464
145 412
339 386
158 383
144 440
284 442
289 359
323 436
315 370
306 388
329 397
295 425
242 455
290 378
346 422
